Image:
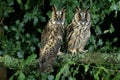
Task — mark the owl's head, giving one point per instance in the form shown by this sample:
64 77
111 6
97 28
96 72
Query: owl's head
82 17
58 16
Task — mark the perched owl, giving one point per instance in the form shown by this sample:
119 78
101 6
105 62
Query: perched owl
51 39
78 31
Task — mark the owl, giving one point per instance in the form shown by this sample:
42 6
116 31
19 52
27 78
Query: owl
78 31
51 39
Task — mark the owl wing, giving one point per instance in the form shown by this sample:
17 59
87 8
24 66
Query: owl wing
69 31
51 40
45 33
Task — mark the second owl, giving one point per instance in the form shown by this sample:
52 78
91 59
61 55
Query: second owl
78 31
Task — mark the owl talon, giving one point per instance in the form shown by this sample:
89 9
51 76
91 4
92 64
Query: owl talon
59 53
83 51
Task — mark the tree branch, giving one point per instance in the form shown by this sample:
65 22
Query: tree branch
15 64
97 58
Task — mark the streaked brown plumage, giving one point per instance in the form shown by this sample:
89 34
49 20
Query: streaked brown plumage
78 31
51 39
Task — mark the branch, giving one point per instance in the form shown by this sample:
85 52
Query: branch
15 64
97 58
101 58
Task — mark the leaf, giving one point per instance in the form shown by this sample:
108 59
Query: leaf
100 42
27 35
12 77
49 14
17 36
21 76
70 78
39 30
63 69
35 20
29 4
31 77
30 58
115 39
106 31
43 77
10 2
113 7
50 77
32 48
117 76
42 19
96 76
20 54
6 27
111 28
13 28
1 52
98 30
19 1
103 68
86 67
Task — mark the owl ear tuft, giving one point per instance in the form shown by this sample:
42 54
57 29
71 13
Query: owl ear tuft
63 9
87 10
54 8
77 9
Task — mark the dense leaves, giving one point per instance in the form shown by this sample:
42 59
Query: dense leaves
22 21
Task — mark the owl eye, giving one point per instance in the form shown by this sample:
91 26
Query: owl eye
86 15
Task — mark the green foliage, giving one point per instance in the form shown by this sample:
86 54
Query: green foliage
24 21
74 70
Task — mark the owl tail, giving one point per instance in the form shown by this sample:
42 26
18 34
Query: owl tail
46 66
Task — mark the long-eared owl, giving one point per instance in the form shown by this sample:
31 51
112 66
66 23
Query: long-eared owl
51 39
78 31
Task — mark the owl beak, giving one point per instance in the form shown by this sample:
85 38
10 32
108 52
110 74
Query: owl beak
83 21
59 20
